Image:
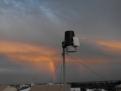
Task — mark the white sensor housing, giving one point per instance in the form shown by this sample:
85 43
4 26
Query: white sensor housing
76 41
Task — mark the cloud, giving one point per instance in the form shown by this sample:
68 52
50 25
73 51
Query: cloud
47 60
36 56
43 22
110 45
43 58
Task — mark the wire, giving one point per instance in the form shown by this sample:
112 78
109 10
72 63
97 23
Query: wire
91 70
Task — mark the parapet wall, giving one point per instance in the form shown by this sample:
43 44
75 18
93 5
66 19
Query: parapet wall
56 87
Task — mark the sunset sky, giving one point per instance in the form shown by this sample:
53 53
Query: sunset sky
31 32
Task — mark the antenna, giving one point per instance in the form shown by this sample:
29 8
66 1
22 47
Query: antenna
70 41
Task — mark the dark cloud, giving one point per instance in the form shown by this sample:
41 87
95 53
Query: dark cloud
44 22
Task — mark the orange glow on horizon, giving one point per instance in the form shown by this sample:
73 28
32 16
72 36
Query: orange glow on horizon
45 58
30 54
90 61
113 46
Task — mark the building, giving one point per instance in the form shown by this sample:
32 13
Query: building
53 87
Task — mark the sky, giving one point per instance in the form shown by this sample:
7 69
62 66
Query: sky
31 32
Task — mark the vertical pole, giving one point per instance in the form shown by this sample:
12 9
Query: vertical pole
64 69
